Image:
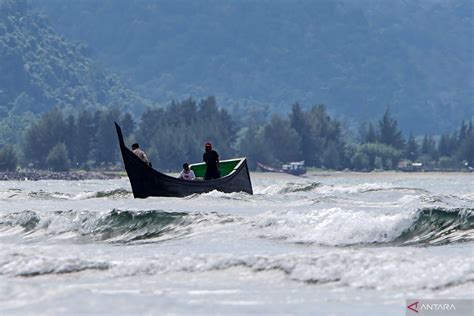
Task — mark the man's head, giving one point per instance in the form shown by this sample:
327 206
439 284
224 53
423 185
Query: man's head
135 146
185 166
208 146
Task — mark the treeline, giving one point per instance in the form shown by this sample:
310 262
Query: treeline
383 147
321 142
87 139
176 133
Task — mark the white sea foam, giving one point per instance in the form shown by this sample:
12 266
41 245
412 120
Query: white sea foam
351 188
334 226
29 266
363 268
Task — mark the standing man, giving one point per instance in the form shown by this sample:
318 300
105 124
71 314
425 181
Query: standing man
140 154
211 158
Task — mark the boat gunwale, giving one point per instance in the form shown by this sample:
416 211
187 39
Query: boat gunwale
224 179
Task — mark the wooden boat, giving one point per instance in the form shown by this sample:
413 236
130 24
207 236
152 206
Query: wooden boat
266 168
295 168
146 181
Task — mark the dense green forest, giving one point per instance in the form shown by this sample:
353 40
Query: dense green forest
176 134
39 70
355 56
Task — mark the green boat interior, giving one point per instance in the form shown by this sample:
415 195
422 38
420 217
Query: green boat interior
225 167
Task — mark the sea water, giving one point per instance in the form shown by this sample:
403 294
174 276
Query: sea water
323 244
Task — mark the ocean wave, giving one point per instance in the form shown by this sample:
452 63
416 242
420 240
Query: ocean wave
26 220
368 188
285 188
214 194
348 267
340 227
392 188
117 193
299 187
30 266
439 226
332 226
357 268
126 226
19 194
118 226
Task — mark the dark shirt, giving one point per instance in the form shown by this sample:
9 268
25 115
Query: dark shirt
211 158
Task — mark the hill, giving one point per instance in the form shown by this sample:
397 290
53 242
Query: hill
40 69
356 57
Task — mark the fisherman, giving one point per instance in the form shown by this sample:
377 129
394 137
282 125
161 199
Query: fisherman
187 174
211 158
140 154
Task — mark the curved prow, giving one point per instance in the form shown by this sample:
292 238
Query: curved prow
120 136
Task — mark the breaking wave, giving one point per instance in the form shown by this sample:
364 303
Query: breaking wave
402 189
332 227
291 187
347 267
19 194
338 227
117 193
438 226
121 226
125 226
300 187
359 268
25 266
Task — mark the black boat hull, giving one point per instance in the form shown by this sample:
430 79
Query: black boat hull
146 181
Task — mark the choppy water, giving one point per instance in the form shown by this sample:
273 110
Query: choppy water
333 243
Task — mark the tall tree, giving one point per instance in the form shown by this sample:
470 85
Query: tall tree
389 132
57 159
300 123
446 145
8 158
284 141
411 149
252 145
42 136
428 147
317 131
70 137
323 131
127 124
371 135
465 151
106 147
86 132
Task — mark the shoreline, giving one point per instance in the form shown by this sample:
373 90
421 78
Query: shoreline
37 175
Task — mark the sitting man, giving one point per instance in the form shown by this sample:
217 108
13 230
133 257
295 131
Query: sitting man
187 174
140 154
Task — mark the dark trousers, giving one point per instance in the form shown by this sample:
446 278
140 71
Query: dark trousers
211 174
